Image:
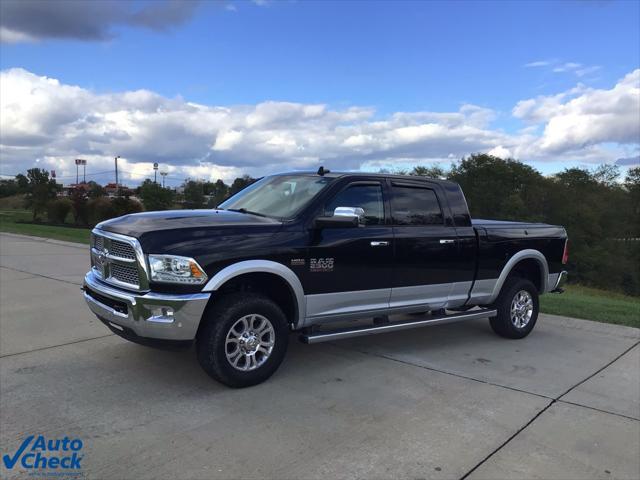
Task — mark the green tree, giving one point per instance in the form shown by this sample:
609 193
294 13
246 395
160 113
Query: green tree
240 183
58 209
8 188
125 206
154 197
632 185
433 171
501 189
96 190
193 192
41 189
219 193
79 207
23 183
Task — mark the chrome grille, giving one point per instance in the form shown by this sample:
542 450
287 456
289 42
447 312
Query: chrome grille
98 242
122 250
118 259
125 273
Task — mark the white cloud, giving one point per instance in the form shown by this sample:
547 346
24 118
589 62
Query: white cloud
557 66
538 63
45 121
500 152
585 117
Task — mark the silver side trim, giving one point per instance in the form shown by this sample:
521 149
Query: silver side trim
261 266
330 307
482 290
341 303
434 296
394 327
480 295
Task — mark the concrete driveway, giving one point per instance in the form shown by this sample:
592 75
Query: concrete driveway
452 401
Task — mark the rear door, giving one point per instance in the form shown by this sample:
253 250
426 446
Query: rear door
350 269
429 270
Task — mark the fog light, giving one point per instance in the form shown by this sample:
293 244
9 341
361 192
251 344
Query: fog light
161 315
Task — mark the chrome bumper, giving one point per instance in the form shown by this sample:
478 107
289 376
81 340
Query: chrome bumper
148 315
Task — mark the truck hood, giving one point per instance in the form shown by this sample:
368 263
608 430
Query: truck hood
139 224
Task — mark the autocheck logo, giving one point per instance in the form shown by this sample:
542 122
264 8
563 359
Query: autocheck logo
39 453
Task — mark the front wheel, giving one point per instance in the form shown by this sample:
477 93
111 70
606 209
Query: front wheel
517 307
243 341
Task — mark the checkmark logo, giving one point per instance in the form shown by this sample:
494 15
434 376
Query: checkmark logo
10 462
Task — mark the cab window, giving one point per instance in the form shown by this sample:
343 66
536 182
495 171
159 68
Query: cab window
415 206
367 197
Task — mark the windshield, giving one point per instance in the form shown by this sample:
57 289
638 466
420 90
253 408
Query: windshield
277 196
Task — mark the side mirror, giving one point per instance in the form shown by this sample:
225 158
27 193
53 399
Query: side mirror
343 217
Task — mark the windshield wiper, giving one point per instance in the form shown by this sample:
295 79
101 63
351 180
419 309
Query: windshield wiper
244 210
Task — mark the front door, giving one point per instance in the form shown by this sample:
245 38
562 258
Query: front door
350 269
429 272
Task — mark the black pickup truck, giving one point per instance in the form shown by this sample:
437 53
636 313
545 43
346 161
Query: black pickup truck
331 255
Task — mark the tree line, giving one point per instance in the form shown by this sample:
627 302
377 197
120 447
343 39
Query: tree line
599 208
89 204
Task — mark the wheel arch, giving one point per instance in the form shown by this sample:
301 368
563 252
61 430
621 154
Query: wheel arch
523 261
249 267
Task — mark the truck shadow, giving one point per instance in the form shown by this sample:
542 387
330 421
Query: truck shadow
181 370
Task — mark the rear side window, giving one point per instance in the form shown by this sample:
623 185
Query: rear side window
415 206
367 197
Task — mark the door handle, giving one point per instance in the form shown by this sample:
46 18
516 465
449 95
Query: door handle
379 244
447 240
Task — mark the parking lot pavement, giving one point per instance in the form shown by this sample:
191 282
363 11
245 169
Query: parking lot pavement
449 401
40 301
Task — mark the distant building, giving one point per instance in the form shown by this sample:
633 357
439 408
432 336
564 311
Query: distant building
112 190
69 189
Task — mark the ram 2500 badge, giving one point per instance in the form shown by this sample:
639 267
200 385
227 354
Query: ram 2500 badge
306 251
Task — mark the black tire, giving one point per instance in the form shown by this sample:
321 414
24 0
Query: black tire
503 324
211 343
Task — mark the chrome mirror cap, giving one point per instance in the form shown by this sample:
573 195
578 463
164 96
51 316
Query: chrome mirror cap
350 212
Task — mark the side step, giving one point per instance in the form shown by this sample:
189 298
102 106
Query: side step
330 335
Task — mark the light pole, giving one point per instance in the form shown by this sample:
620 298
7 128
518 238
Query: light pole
164 174
116 161
80 161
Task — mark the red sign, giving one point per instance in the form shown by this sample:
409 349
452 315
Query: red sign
53 174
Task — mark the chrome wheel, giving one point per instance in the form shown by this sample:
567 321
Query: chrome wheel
521 309
250 342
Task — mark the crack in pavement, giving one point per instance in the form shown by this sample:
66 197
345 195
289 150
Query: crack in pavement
56 346
552 400
40 275
555 400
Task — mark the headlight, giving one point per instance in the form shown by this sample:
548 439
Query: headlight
175 269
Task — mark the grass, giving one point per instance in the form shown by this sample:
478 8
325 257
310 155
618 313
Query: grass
593 304
10 222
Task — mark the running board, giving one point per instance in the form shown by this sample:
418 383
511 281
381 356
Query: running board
327 336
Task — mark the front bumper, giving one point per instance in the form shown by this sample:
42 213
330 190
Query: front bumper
149 315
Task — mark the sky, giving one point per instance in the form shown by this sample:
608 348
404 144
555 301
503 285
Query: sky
219 89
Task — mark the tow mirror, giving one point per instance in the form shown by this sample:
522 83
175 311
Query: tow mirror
343 217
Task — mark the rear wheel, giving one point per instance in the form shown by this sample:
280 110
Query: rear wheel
244 339
517 307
